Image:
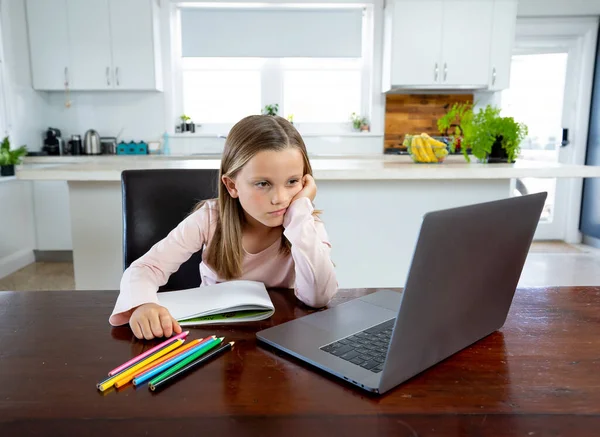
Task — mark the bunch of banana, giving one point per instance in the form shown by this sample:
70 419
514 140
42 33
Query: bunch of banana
423 148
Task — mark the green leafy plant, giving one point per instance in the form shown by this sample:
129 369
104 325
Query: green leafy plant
271 109
487 127
11 157
451 124
184 118
358 121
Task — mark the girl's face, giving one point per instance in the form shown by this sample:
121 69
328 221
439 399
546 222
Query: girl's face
266 185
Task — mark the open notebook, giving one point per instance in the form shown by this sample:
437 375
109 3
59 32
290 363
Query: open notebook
227 302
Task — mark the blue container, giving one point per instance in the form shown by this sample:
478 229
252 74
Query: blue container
132 148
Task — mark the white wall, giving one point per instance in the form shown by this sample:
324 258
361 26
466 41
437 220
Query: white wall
549 8
26 110
143 115
24 124
138 115
31 112
17 237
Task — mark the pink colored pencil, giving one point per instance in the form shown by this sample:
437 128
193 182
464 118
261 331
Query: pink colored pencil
147 353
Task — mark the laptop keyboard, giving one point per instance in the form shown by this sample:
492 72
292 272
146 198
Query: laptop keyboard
366 349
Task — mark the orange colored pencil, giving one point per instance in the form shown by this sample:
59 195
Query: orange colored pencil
167 357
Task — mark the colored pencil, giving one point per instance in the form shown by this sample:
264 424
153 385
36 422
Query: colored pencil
107 384
173 354
129 367
125 380
147 353
185 362
164 366
170 355
193 364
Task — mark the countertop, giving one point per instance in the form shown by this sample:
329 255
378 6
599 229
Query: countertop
103 159
365 167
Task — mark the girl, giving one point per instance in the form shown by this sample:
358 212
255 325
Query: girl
262 228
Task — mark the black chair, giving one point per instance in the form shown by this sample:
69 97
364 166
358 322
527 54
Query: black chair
154 203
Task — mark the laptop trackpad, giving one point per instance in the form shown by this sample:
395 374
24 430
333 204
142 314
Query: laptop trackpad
350 317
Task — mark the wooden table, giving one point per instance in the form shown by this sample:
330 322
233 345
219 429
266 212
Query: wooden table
538 376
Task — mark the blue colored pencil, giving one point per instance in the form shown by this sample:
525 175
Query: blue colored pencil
164 366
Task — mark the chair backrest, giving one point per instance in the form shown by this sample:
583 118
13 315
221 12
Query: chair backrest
154 203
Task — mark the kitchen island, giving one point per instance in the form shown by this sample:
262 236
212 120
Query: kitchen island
372 207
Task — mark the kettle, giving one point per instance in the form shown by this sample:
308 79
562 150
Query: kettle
91 143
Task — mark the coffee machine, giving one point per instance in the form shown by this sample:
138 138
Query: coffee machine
53 143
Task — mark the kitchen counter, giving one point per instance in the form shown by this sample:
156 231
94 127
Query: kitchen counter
372 206
367 167
105 159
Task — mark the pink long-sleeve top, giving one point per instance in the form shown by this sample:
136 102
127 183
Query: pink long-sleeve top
308 270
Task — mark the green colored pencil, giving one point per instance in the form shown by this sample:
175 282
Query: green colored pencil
199 362
185 362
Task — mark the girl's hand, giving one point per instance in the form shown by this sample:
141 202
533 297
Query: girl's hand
152 320
309 189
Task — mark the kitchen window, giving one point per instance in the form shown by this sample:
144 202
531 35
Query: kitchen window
317 77
321 90
221 90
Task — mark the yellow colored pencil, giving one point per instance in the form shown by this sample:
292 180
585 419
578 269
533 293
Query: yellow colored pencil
180 350
110 382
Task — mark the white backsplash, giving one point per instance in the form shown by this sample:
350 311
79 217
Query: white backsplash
138 115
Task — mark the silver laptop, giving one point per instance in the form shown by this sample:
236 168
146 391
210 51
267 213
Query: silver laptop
464 272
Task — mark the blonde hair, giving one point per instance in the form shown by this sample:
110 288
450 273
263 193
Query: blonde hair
249 136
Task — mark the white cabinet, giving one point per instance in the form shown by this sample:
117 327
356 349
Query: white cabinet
503 41
48 42
94 44
89 32
136 62
52 215
446 44
416 42
466 43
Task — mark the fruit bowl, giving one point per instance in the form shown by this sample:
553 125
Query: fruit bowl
424 149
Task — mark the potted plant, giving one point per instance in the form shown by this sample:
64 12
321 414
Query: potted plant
290 118
10 158
186 124
493 138
359 123
271 109
486 134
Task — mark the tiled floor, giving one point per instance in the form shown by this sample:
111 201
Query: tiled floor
562 264
41 276
548 264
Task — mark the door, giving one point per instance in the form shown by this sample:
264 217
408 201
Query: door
590 205
550 88
134 35
416 42
466 43
90 44
48 43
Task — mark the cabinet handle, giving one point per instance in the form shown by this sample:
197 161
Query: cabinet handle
445 71
494 76
117 76
435 72
108 76
66 76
